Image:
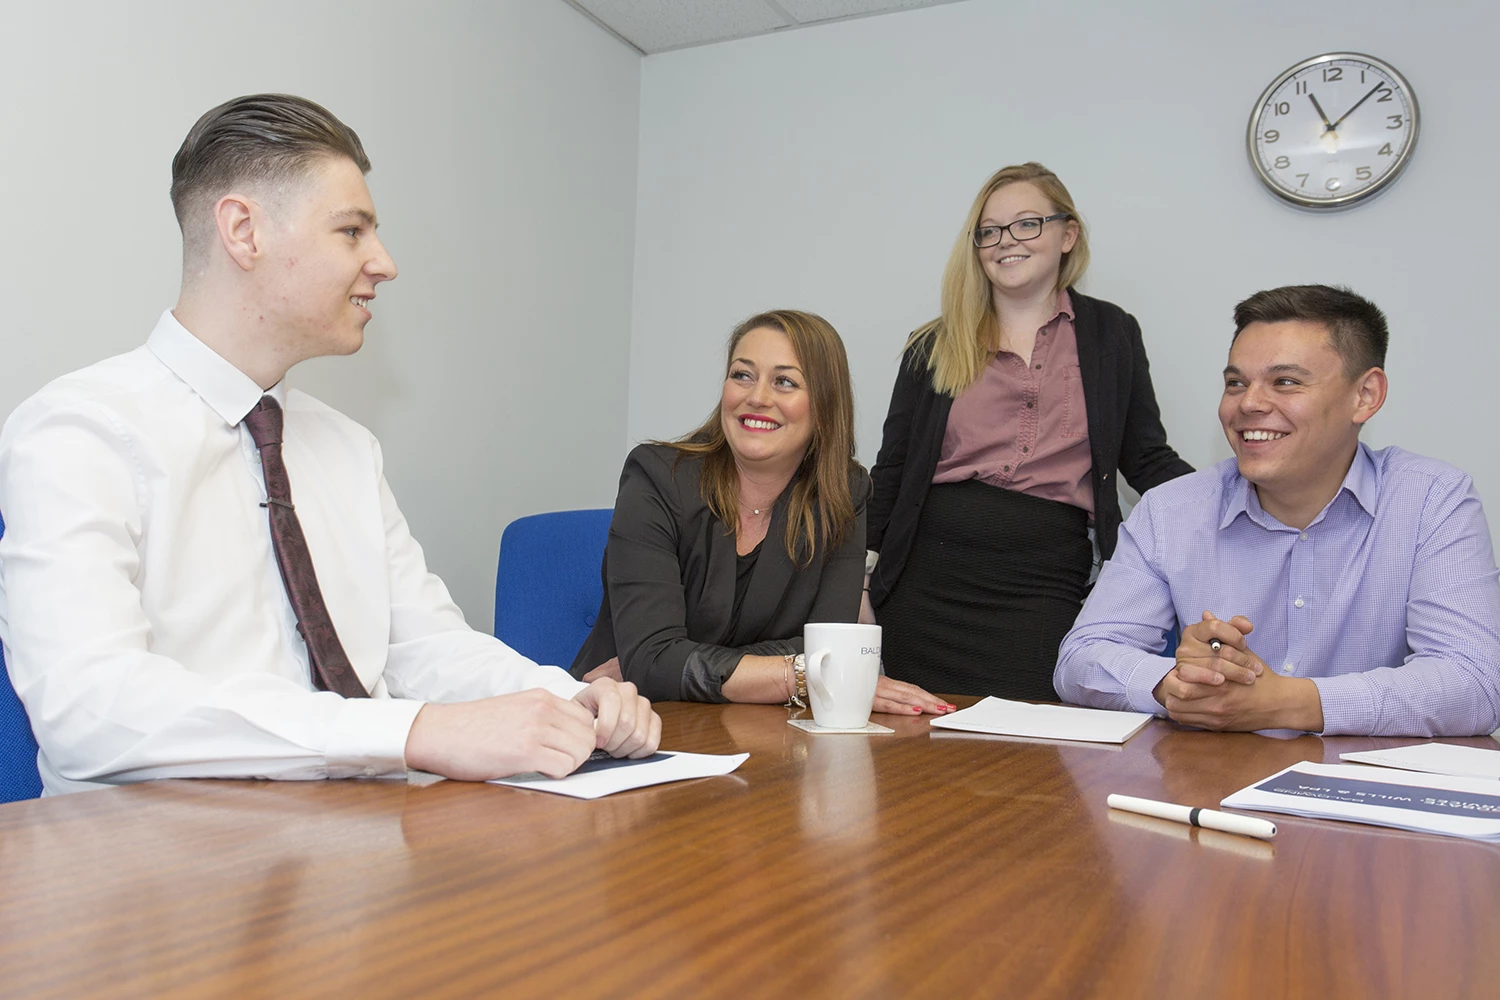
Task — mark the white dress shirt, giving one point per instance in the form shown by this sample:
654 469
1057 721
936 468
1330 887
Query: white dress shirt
146 626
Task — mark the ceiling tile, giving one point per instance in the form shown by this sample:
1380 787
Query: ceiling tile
808 11
656 25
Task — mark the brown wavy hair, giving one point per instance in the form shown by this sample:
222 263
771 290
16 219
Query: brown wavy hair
821 510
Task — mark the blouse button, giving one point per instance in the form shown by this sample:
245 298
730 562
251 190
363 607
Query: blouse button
1038 367
1007 468
1024 449
1029 405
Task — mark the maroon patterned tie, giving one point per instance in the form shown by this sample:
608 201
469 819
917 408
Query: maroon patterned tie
331 669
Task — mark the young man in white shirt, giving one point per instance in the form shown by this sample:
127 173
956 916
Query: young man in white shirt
148 627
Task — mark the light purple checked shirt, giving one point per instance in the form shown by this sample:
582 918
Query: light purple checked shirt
1389 601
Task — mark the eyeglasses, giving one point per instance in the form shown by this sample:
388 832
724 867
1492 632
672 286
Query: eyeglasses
1021 229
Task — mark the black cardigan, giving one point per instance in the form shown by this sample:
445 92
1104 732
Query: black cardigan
1125 433
669 573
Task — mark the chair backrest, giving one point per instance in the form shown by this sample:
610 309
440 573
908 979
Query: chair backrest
19 778
548 584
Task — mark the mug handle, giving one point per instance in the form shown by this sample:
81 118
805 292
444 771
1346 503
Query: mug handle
814 667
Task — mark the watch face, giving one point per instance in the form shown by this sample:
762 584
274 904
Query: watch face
1333 130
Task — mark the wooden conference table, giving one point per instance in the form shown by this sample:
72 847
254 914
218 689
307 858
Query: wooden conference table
911 865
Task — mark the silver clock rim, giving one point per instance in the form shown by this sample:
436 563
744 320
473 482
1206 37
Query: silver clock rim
1364 193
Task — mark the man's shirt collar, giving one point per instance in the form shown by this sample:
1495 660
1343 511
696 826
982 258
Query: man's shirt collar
228 391
1361 481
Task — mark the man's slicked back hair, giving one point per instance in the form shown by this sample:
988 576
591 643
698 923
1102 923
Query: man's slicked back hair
257 139
1356 327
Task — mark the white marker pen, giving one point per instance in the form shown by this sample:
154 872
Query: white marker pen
1209 819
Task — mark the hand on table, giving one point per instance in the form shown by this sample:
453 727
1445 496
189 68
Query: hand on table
900 698
1199 663
624 722
1231 689
496 737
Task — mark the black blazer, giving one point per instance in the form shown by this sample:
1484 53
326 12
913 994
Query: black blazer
1125 433
669 572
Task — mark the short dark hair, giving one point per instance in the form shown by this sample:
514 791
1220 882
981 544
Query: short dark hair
257 138
1356 327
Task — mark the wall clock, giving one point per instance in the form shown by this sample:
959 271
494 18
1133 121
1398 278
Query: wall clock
1333 130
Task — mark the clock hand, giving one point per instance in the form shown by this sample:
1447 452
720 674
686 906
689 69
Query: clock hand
1323 114
1357 103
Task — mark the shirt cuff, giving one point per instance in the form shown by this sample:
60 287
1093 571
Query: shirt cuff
368 738
565 687
1348 705
1140 687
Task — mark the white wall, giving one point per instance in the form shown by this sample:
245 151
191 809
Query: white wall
503 137
830 169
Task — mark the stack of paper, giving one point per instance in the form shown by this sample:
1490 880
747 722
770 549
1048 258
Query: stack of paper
1434 758
1454 807
1047 722
603 775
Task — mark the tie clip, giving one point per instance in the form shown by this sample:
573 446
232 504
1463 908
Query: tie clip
280 503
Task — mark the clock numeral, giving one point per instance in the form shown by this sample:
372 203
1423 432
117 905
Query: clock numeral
1332 184
1384 150
1385 95
1333 74
1301 86
1282 162
1395 121
1362 173
1304 180
1283 108
1271 135
1361 76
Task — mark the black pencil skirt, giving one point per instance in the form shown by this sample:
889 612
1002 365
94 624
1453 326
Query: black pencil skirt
992 584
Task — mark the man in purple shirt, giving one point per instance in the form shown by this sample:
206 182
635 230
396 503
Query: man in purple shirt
1366 576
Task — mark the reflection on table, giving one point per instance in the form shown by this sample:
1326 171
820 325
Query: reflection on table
913 864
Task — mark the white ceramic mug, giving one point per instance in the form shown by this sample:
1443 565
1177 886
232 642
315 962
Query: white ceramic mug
843 666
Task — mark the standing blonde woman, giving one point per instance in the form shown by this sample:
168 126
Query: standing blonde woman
1010 415
726 542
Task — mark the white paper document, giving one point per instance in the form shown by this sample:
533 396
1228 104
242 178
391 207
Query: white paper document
605 776
1434 758
1427 803
1047 722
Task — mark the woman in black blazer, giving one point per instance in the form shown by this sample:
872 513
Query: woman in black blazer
725 543
990 482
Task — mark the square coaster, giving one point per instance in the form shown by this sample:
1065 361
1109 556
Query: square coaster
809 726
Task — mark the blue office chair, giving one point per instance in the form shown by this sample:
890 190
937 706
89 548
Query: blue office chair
547 586
19 778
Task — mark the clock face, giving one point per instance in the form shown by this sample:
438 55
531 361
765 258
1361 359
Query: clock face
1333 130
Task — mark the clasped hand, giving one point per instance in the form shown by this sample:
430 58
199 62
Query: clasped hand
532 731
1230 688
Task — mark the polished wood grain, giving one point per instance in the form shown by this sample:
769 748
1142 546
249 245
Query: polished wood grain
911 865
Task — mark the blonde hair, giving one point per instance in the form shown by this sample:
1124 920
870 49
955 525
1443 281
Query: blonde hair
958 340
821 508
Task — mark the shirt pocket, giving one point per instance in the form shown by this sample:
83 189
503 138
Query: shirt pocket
1075 418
